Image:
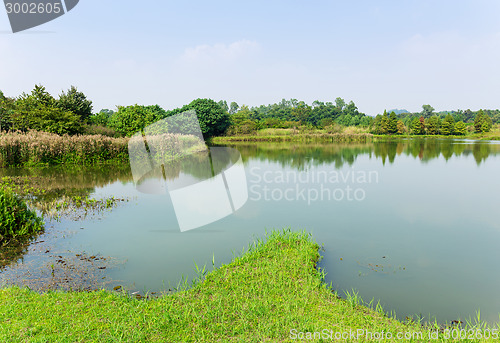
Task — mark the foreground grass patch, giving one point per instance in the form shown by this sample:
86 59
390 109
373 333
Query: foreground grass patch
262 296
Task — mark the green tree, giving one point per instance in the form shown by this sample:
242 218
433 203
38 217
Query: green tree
418 126
301 112
223 105
393 123
39 111
6 111
101 118
129 120
433 124
340 104
460 128
482 122
401 128
427 111
213 119
233 108
448 125
75 102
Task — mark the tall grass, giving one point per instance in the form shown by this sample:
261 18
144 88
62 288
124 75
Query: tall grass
41 148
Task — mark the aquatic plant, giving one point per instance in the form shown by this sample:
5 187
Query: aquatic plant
16 219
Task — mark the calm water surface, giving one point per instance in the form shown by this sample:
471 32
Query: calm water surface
413 224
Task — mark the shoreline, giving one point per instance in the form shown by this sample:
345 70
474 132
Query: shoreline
339 138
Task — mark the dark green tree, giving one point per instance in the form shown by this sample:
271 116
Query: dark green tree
75 102
214 120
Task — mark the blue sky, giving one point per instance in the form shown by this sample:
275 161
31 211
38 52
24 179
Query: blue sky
380 54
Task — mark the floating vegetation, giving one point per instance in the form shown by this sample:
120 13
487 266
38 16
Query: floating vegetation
378 267
77 207
75 204
61 271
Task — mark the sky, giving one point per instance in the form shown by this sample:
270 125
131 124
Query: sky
380 54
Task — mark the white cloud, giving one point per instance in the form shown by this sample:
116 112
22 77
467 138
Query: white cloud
220 53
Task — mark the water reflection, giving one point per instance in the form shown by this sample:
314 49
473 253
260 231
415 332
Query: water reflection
300 156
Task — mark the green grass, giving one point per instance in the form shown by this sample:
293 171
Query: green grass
262 296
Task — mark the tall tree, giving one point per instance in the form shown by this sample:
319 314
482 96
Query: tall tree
340 103
482 122
393 123
6 111
223 105
75 102
427 111
233 108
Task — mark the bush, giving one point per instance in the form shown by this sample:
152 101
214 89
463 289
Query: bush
16 219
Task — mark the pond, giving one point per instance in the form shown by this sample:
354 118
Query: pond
412 223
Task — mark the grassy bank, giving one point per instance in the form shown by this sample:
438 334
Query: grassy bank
270 294
41 148
309 136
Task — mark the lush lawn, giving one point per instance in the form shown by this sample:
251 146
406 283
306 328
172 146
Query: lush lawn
273 289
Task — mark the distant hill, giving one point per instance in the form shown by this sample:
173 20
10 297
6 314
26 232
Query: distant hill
398 111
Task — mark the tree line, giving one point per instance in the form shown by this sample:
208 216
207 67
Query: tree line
428 122
72 113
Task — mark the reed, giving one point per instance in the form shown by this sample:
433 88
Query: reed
40 148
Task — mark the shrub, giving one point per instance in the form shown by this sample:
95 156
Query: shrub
16 219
